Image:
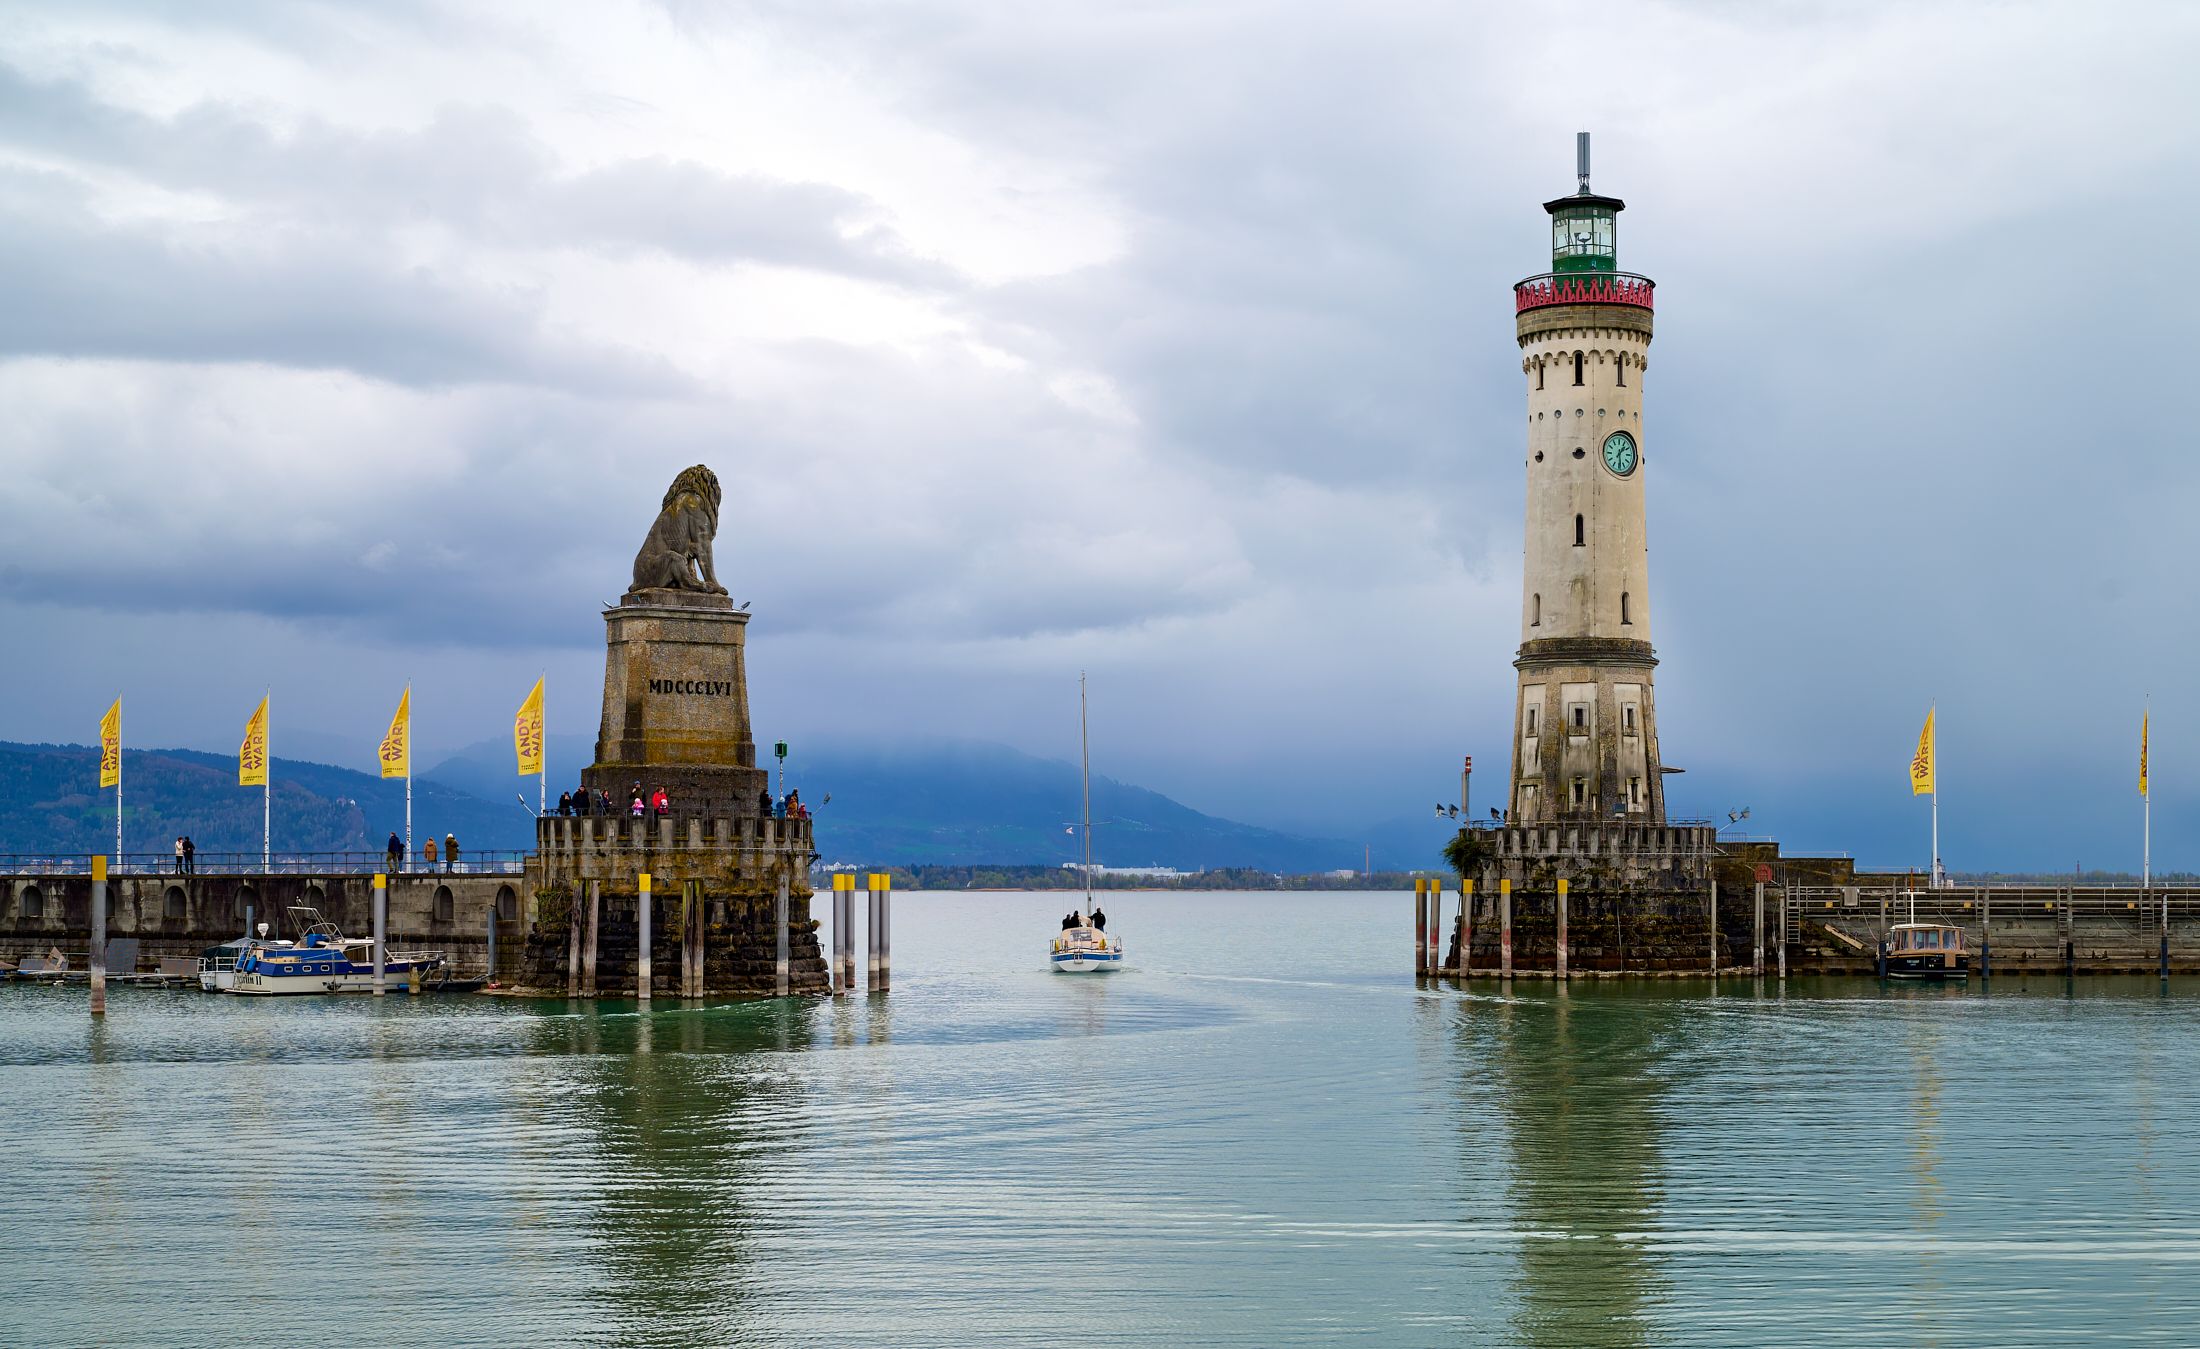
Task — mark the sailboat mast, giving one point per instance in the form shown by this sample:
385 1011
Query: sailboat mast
1084 748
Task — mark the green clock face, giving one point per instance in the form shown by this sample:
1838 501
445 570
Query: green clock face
1619 453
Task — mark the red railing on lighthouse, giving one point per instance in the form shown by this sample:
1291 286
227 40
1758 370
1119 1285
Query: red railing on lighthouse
1538 292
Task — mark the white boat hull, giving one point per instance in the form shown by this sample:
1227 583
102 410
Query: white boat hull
253 982
1076 956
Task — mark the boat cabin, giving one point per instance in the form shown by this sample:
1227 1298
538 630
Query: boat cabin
1927 950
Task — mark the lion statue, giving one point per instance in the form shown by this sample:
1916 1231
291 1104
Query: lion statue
676 555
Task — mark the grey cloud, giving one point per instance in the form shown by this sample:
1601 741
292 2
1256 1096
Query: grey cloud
477 169
79 286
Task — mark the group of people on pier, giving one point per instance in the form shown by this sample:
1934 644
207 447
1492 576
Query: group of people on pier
658 804
394 852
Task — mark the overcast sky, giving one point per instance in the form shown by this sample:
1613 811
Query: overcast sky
341 346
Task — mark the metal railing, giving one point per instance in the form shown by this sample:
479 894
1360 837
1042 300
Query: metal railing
488 862
1538 292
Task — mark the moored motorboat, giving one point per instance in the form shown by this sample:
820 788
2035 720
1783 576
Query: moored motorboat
324 960
1925 951
218 964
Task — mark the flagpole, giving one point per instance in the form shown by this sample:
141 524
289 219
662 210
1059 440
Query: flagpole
408 776
118 794
542 774
2146 803
267 786
1934 716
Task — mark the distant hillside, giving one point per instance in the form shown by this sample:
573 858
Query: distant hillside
50 802
947 803
961 803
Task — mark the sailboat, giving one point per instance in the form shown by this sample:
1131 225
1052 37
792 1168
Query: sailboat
1083 948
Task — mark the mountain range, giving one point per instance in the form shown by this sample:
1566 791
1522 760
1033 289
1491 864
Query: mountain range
944 802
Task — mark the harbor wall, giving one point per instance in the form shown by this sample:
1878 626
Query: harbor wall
1833 929
182 915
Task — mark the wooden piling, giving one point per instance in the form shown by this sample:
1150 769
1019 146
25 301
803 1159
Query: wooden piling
381 933
588 939
1558 964
885 931
1466 926
98 956
1783 931
1714 927
844 961
1986 934
870 935
1420 927
573 926
687 939
702 939
1505 929
644 903
1757 962
1431 956
492 945
779 922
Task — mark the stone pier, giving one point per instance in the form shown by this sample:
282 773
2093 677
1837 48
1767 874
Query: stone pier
734 864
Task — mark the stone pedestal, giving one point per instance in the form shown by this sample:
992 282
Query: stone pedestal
676 705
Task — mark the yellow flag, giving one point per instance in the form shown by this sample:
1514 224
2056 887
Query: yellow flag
252 754
110 746
527 733
396 753
1921 763
2144 717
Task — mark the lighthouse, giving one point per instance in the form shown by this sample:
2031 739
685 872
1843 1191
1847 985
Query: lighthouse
1585 735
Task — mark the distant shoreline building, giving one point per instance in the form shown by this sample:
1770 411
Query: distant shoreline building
1146 873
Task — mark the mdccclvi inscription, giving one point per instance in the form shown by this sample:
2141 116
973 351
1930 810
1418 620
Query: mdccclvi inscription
706 688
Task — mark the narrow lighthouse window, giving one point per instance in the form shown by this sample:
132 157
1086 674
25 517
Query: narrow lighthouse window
1577 367
1535 615
1539 374
1623 617
1578 537
1621 366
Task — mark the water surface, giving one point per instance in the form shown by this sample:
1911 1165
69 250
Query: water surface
1260 1133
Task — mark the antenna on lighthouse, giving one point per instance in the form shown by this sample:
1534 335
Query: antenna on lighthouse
1581 160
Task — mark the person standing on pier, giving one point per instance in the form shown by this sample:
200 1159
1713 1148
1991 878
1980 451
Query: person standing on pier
427 851
450 853
393 852
179 854
565 803
190 856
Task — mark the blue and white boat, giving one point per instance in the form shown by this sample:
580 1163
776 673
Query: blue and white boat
1084 947
324 960
218 964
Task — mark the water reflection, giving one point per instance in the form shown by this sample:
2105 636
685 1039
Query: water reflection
684 1116
1924 1286
1576 1078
